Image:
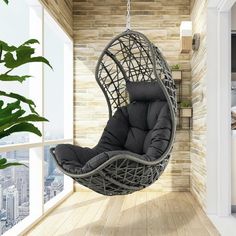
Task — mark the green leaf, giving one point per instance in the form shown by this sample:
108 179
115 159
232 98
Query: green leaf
32 118
1 104
7 121
5 47
41 59
6 1
9 108
20 98
3 161
5 77
22 127
4 164
16 118
23 56
11 121
30 41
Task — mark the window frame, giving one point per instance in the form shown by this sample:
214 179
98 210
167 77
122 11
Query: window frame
37 144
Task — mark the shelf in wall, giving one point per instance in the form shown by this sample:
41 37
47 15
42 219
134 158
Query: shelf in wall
177 75
184 113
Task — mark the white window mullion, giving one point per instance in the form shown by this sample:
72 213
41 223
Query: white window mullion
68 90
68 102
36 94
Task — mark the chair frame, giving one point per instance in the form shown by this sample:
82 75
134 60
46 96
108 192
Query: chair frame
125 173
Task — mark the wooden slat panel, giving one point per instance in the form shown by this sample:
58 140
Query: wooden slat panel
61 10
199 67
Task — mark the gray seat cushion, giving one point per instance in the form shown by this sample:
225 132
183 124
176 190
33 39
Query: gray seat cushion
143 128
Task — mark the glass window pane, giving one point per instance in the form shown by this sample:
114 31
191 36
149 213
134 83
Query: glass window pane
54 79
14 190
14 29
53 178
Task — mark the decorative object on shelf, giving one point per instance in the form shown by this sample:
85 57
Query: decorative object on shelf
185 36
185 113
176 72
186 108
196 42
185 103
14 117
130 155
175 67
187 41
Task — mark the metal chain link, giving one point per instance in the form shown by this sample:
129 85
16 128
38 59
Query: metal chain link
128 16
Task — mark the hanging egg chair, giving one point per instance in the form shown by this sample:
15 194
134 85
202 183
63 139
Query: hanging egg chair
136 143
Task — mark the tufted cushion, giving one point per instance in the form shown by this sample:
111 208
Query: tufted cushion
140 127
143 127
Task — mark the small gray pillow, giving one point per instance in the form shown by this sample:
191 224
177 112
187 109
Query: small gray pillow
145 91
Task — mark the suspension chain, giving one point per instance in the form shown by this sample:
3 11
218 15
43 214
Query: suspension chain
128 16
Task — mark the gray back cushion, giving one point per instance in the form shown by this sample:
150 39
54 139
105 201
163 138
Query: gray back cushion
140 127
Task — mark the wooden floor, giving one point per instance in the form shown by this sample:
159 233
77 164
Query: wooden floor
139 214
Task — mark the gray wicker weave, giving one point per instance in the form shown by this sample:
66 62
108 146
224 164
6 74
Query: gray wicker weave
129 57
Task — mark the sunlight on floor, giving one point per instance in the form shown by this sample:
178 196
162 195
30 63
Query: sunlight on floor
142 213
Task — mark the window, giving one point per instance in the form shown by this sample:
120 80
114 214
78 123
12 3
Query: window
20 10
54 104
14 190
27 193
53 178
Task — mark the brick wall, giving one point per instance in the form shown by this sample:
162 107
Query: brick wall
95 23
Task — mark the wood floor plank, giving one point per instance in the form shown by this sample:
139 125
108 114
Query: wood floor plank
55 218
111 224
138 214
202 216
167 223
97 226
126 219
153 215
79 222
185 218
139 228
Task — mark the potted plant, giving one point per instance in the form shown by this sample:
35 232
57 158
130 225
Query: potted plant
176 72
19 113
186 108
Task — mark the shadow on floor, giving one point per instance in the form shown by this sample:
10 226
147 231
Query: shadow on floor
140 214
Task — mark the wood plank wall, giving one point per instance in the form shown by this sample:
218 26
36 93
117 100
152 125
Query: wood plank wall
198 140
61 10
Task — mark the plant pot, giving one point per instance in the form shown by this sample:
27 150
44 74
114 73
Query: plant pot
186 112
177 74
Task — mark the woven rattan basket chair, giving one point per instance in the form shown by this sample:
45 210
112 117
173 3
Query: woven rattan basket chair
132 74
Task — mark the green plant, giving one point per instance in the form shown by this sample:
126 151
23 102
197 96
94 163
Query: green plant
175 67
13 117
185 104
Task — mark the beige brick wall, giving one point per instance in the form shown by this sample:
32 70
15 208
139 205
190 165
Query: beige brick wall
95 23
198 137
